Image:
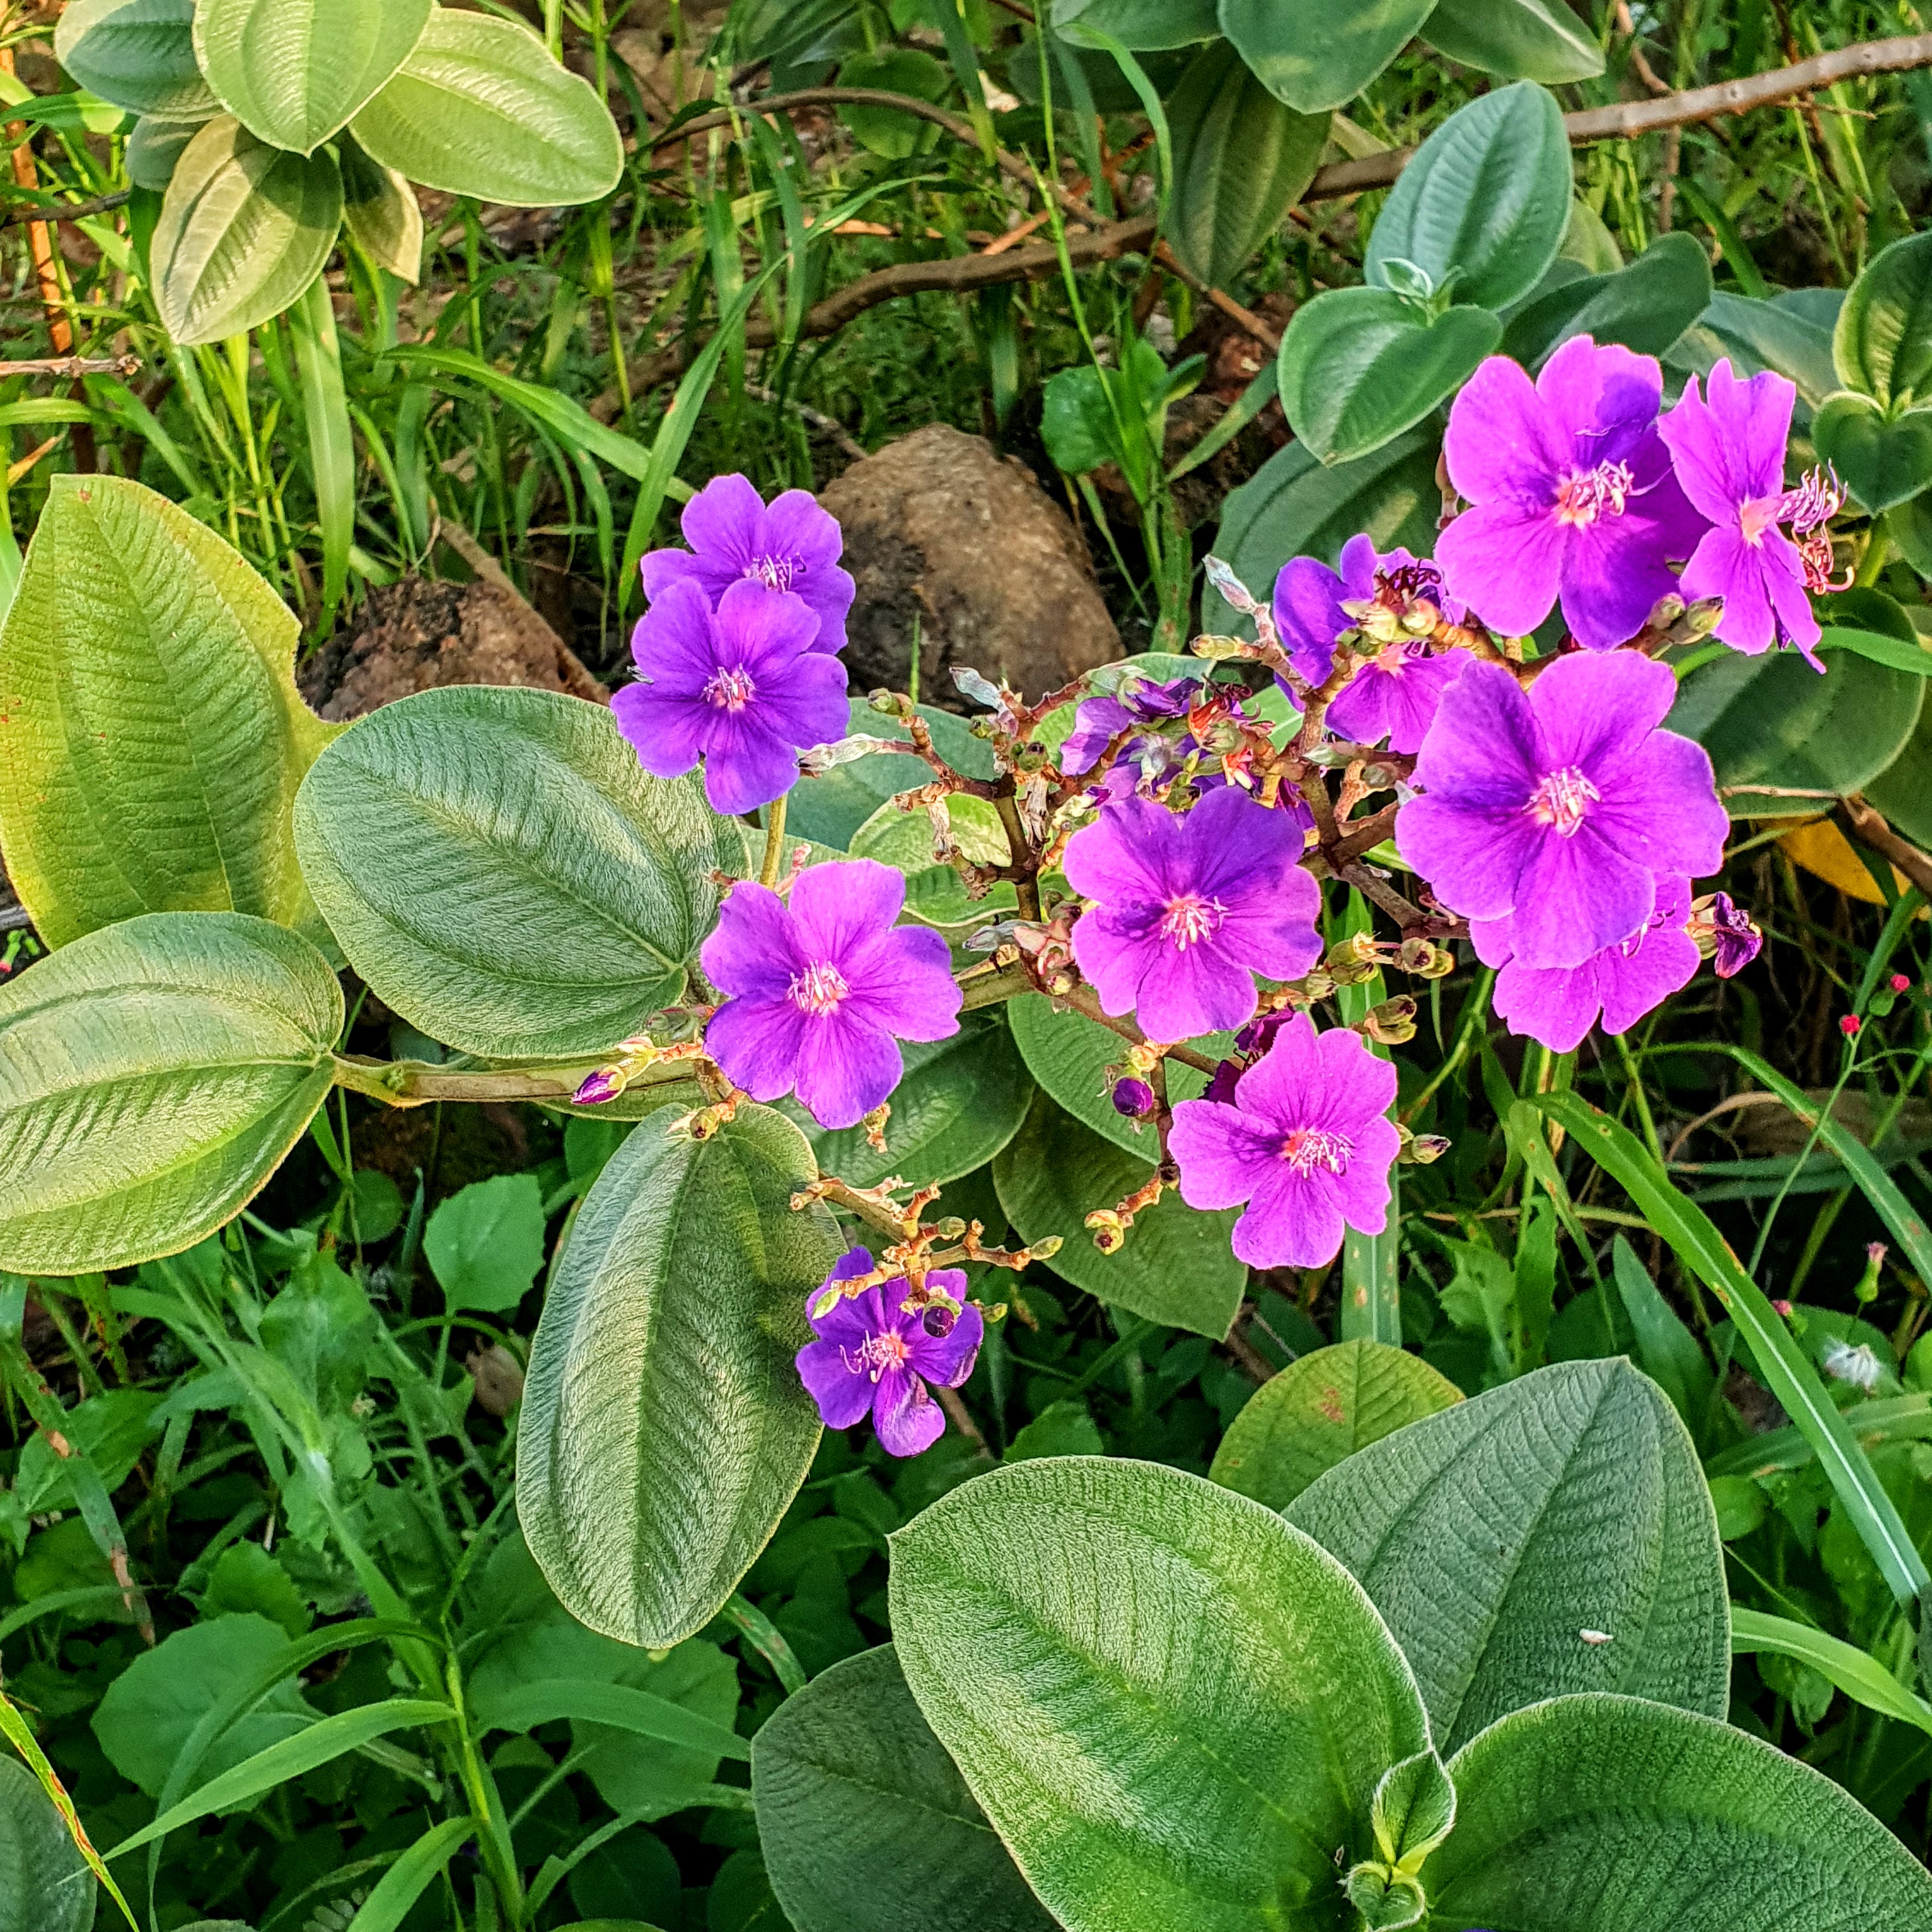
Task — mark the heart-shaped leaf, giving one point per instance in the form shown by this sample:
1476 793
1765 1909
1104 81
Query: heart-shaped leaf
1883 460
1321 1409
848 1776
139 54
1359 366
1881 345
49 1887
1176 1267
1612 1814
665 1429
1521 40
1241 160
244 229
499 868
1551 1535
1487 198
1319 58
154 737
479 108
293 71
152 1076
1645 307
1173 1707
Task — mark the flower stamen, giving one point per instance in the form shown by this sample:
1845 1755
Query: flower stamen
1305 1149
1560 800
1190 918
777 573
731 690
1584 495
818 989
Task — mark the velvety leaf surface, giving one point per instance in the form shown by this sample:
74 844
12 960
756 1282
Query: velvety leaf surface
1317 58
1173 1707
1645 307
152 1076
49 1888
1611 1814
1319 1411
1493 1536
503 873
664 1428
851 1784
1881 345
139 54
1521 40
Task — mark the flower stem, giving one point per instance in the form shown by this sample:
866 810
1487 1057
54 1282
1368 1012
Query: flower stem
775 825
1020 856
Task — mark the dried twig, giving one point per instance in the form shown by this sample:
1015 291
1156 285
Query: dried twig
1859 821
73 367
65 210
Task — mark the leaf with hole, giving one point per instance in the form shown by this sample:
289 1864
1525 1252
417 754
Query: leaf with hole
293 71
1176 1267
1645 307
1486 200
1142 1782
1731 1835
479 108
665 1429
1241 160
1359 366
154 736
244 229
848 1776
1493 1536
139 54
1319 58
1521 40
1318 1411
499 868
152 1076
1883 460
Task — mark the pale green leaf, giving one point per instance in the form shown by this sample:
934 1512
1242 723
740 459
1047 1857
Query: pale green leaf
139 54
485 1243
1319 57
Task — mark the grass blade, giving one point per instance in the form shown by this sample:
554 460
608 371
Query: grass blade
405 1882
1856 1673
13 1728
331 439
587 1702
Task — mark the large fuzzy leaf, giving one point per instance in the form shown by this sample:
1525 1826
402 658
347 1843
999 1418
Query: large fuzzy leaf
49 1887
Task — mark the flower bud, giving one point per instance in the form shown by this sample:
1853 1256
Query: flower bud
606 1084
1850 1025
1133 1098
1216 648
1110 1234
1420 1150
950 1229
1867 1288
1046 1250
1392 1023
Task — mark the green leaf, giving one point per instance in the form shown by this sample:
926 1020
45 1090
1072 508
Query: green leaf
244 228
887 131
1521 40
1901 652
665 1430
1786 1373
962 1099
1241 160
1856 1672
139 54
1315 58
479 108
1318 1411
1071 1056
1772 721
1757 335
1359 366
154 736
1139 1781
1177 1267
380 210
1882 346
1645 307
153 148
1486 200
1668 1350
293 71
1145 26
152 1076
1884 460
49 1887
332 441
638 1714
1494 1536
485 1244
1903 791
396 1892
1295 505
1611 1814
1089 415
848 1776
503 873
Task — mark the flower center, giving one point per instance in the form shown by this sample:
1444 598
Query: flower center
1305 1149
1584 495
1190 918
876 1354
777 573
818 989
1561 799
1757 515
731 690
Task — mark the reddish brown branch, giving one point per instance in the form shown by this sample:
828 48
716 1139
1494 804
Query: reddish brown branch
1862 823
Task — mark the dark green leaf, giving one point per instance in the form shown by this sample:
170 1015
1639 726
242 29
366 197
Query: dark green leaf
139 54
49 1887
1903 791
381 213
1668 1350
1884 460
1145 26
1318 58
1494 1536
1486 200
1359 366
1757 335
1645 307
849 1778
504 874
485 1243
885 130
1318 1411
664 1427
153 148
1882 343
1521 40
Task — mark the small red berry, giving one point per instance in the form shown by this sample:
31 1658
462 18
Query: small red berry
1899 983
1849 1026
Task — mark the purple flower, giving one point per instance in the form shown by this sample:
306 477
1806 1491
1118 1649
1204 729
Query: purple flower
1394 695
1559 1005
1729 454
1099 720
1133 1098
793 545
872 1353
741 687
1561 804
1727 935
1306 1144
820 989
1573 494
1186 910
